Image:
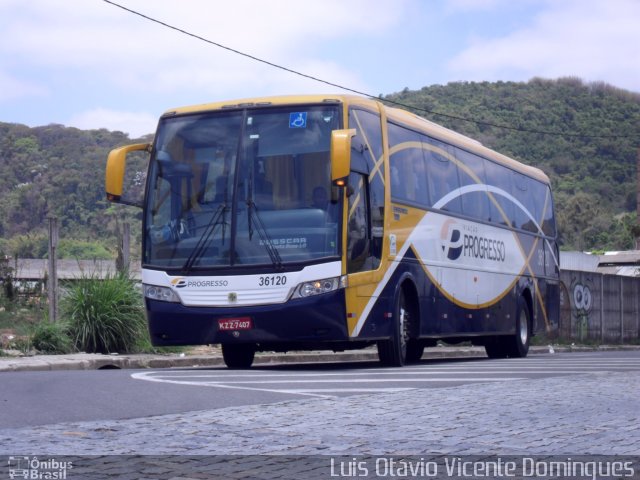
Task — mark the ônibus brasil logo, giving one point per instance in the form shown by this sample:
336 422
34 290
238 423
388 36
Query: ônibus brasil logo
463 240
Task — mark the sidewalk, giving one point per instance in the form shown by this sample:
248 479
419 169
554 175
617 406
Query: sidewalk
213 357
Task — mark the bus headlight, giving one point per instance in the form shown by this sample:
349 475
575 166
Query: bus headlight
318 287
163 294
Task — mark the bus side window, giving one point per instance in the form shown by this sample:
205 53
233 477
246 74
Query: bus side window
525 193
501 207
358 238
475 203
443 180
548 220
408 171
542 203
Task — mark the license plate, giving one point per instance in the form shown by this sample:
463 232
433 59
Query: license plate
243 323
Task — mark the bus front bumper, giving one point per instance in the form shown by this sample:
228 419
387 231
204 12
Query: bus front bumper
316 319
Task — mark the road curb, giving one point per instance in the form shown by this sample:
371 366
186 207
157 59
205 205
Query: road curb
85 361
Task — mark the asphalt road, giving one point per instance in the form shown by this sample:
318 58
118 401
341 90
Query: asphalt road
41 398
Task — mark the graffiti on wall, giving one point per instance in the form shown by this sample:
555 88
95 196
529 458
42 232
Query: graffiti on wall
582 298
582 303
576 306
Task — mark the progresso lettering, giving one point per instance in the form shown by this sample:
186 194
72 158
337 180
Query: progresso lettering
484 248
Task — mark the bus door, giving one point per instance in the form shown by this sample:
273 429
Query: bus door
365 212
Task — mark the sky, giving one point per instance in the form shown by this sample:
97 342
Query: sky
89 64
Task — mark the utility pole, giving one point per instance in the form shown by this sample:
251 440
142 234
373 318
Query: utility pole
637 227
124 248
52 284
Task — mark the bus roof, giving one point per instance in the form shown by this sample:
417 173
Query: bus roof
394 114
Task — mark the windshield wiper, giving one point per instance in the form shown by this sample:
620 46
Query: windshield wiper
254 218
218 218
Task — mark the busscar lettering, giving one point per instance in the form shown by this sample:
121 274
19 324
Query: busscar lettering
287 243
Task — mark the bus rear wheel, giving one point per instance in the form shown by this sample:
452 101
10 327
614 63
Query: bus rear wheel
519 345
513 346
238 356
393 351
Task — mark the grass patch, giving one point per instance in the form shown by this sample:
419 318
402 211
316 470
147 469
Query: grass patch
52 338
20 317
104 315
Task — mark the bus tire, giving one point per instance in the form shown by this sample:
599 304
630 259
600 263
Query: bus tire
238 356
393 351
513 346
519 345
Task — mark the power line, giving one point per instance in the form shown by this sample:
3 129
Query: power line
365 94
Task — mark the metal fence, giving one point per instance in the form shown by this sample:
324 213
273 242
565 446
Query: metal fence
599 308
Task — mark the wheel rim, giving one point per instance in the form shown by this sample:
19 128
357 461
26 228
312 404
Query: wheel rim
404 326
524 328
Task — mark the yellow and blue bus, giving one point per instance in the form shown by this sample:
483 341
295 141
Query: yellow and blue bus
336 222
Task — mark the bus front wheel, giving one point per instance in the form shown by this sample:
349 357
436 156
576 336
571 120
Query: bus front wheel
238 356
393 351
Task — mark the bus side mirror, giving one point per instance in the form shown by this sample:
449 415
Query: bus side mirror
115 174
341 155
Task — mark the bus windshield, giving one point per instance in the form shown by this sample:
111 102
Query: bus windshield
242 187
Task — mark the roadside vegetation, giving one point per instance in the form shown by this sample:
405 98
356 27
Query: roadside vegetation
97 315
104 315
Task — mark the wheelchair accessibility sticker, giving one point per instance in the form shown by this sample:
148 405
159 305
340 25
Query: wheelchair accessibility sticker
298 120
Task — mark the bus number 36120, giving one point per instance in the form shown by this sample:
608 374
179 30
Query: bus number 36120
272 281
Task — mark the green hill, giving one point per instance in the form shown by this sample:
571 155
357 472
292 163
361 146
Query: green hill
593 178
56 170
59 171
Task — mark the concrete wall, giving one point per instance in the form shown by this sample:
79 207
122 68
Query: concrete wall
26 269
599 308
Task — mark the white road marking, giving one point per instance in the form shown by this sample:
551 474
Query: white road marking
244 384
336 382
364 380
496 371
144 376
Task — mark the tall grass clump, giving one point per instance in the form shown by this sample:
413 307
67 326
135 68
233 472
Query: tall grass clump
104 315
52 338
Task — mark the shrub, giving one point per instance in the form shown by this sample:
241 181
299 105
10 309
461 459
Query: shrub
104 315
52 338
83 249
